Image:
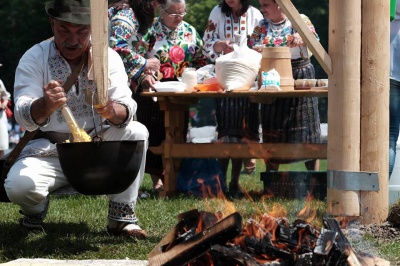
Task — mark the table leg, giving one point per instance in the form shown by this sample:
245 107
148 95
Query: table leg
174 126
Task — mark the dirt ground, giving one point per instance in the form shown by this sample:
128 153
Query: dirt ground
387 232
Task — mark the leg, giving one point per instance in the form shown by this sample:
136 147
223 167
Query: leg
394 121
235 174
122 219
249 165
312 165
28 185
157 182
271 166
223 163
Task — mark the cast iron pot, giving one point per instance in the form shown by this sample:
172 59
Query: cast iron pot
101 167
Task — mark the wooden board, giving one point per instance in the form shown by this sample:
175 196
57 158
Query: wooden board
287 151
99 27
308 37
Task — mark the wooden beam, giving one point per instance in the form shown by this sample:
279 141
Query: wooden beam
308 37
99 28
289 151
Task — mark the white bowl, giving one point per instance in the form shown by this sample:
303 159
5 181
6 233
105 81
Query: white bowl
170 86
322 82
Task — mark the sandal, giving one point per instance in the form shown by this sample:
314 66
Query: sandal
126 229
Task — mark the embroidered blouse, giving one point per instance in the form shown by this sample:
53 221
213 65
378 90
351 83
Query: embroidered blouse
271 35
42 63
176 49
222 27
124 38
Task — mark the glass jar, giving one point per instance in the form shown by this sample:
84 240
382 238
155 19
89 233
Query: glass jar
189 77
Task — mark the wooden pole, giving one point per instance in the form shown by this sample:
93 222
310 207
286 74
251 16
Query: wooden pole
344 101
375 55
99 28
308 37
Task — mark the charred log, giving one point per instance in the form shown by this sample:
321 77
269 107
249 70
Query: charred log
230 255
200 243
265 248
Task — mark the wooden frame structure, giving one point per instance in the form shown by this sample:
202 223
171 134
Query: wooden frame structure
358 108
358 70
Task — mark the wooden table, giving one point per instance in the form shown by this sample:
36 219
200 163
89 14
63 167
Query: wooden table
173 149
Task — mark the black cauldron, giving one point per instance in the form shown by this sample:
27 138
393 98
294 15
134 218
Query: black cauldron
101 167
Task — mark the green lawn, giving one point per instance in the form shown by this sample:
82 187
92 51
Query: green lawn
75 225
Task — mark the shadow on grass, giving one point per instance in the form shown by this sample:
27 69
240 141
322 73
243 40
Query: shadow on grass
59 241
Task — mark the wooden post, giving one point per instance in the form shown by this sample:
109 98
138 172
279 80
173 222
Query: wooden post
344 101
99 28
375 55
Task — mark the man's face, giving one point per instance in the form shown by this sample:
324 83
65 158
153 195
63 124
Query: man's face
71 39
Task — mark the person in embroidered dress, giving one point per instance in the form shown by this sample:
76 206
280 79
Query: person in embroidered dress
237 118
177 45
128 21
39 94
288 120
4 138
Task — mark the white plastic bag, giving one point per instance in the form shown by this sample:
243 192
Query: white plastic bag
239 69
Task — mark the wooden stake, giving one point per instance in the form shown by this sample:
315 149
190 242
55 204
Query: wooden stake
308 37
99 28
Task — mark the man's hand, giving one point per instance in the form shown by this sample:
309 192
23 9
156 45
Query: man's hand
112 111
53 98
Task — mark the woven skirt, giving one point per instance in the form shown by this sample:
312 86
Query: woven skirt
293 120
237 117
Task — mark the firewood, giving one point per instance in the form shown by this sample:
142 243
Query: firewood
225 255
265 247
343 243
325 242
200 243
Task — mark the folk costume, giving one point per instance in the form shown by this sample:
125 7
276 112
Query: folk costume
289 120
38 172
176 49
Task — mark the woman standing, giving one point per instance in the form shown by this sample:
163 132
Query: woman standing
237 118
129 20
288 120
4 139
177 45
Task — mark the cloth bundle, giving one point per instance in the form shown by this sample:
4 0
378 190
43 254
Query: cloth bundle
239 69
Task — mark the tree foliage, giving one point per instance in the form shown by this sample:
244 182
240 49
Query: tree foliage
23 23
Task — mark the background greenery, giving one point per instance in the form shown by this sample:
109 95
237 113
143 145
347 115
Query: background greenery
25 23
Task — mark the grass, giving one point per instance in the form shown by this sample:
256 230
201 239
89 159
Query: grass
75 225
